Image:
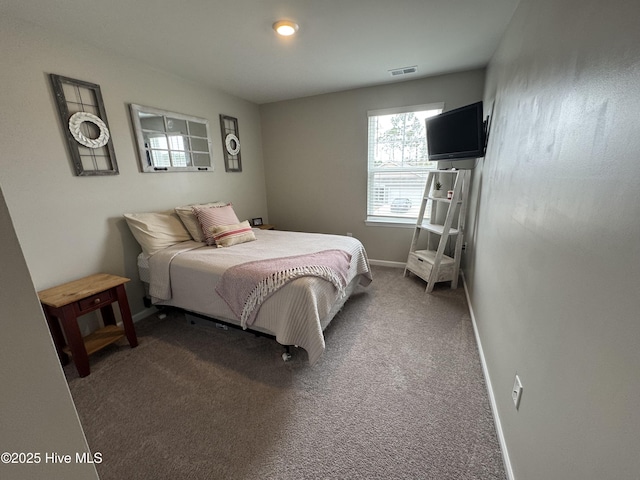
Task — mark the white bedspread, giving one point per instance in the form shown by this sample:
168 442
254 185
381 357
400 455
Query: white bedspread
186 275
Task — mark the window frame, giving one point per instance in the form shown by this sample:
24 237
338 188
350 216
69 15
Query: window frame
374 187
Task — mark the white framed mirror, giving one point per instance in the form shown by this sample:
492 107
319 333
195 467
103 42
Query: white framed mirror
171 142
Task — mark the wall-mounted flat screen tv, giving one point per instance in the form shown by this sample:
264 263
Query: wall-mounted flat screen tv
456 134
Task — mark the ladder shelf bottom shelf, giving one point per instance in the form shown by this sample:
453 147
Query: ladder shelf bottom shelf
421 262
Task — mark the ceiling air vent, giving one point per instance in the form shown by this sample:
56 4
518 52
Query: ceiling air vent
403 71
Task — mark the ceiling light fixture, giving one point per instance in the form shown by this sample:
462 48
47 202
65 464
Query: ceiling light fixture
285 28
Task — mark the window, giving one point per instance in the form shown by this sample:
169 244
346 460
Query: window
397 162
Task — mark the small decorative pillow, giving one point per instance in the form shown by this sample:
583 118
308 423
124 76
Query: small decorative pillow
209 217
227 235
155 231
191 222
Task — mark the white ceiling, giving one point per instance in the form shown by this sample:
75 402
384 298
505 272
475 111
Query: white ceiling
230 45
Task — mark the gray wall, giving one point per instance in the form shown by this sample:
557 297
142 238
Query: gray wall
554 265
37 414
72 226
553 262
315 154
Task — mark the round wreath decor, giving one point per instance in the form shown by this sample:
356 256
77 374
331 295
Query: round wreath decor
77 119
232 144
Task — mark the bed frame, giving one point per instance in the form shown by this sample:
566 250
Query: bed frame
198 319
194 318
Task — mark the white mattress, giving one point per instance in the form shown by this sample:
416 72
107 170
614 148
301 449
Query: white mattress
296 315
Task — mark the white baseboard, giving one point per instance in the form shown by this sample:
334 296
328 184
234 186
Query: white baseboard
492 398
143 314
387 263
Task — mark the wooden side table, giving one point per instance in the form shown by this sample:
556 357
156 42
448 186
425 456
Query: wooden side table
265 226
63 305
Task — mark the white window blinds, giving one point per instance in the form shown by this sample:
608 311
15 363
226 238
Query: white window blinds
397 162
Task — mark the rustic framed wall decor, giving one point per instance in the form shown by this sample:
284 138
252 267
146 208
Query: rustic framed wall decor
230 143
84 121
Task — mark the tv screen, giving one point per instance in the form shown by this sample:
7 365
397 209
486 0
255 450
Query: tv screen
456 134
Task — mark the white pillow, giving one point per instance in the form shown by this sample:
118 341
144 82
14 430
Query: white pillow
191 222
155 231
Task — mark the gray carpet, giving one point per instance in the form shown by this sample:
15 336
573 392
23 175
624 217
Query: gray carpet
398 393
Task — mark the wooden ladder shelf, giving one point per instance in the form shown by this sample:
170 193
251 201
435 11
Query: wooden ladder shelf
433 265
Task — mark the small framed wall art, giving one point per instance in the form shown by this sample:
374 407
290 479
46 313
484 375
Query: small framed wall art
230 143
84 121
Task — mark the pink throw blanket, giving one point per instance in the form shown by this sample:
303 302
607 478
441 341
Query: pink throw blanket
244 287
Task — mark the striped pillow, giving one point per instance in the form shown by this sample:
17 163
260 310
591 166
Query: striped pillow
210 217
227 235
191 222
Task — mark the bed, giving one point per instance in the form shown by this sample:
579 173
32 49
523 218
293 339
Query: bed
186 274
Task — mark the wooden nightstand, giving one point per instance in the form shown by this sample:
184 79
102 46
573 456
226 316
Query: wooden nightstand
266 226
63 305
